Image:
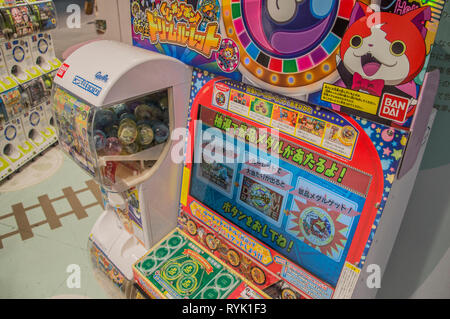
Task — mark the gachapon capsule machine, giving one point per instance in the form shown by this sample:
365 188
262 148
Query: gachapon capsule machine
115 107
15 148
36 127
41 43
19 22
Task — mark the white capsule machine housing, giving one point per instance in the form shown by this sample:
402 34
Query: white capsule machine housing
108 75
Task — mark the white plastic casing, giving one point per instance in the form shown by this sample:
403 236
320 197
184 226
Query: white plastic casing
120 72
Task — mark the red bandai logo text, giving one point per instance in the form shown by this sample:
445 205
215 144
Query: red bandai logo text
62 70
394 107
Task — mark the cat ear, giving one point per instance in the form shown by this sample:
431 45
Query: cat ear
418 17
359 10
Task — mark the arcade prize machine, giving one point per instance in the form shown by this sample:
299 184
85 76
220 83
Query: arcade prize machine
282 192
115 107
299 196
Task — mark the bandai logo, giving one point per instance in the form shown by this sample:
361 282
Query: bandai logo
394 108
62 70
99 76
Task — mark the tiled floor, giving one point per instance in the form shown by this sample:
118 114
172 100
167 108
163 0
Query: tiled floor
41 236
38 244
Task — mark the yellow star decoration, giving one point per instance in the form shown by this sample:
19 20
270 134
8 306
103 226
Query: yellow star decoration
397 154
378 130
390 178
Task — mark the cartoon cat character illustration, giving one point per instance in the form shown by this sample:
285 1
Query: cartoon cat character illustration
383 52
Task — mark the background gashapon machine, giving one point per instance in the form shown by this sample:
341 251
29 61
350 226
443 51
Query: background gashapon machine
296 214
27 68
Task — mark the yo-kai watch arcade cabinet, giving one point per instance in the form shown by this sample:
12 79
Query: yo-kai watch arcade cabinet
115 107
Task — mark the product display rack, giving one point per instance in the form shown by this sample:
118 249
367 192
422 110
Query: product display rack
27 67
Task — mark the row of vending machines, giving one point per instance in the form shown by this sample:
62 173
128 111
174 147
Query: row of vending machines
235 158
27 67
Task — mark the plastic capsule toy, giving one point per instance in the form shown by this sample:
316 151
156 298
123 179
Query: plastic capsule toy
161 131
120 109
163 103
148 112
113 146
131 148
128 132
127 116
131 106
112 131
99 140
143 112
104 118
145 134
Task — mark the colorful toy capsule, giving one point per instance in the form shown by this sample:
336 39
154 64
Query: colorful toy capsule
104 118
148 112
143 112
127 116
131 148
132 106
145 135
99 140
113 146
127 133
163 103
112 131
120 109
161 131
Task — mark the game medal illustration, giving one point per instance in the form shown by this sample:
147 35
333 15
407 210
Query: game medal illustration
311 187
177 268
227 57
